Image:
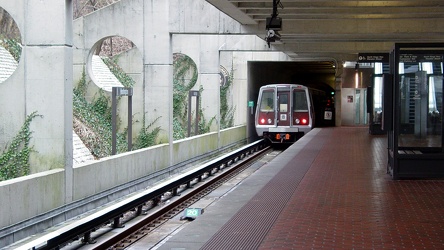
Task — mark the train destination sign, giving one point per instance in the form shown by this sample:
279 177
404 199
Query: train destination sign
373 57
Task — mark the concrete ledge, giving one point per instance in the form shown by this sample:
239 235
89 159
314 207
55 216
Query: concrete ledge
112 171
26 197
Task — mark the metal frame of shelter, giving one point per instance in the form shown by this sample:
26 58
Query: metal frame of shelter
413 111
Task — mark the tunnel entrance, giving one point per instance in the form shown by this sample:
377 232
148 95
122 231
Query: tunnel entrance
319 75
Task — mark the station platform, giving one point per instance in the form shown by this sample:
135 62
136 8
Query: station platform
329 190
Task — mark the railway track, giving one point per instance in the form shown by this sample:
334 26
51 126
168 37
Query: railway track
187 197
181 191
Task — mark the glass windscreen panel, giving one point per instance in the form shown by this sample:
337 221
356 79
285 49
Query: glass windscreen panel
421 97
267 101
301 115
300 101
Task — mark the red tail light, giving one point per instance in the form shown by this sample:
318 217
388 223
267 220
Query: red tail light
262 121
301 118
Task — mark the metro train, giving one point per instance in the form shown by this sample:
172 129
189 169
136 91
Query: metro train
285 112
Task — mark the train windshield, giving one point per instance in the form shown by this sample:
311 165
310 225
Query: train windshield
300 101
267 101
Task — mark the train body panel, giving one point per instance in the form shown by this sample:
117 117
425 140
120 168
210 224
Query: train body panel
284 112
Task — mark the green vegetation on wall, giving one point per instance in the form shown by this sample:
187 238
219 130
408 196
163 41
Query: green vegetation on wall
13 47
184 78
203 126
226 111
92 123
14 160
117 71
146 138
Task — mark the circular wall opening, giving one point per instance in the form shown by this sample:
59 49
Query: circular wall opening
10 45
112 62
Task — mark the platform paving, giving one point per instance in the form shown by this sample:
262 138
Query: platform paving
344 199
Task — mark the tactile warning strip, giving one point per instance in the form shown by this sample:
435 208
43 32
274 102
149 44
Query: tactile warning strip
251 223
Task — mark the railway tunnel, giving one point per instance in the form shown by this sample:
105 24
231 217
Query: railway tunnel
319 75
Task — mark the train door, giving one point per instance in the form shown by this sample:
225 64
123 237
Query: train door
284 108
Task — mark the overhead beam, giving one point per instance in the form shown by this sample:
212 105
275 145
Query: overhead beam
232 11
335 47
243 4
371 27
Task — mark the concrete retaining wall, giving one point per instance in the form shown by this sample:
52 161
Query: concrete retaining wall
28 196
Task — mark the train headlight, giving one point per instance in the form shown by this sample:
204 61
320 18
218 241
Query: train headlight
269 121
297 121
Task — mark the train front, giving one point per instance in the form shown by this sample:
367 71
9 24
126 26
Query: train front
284 112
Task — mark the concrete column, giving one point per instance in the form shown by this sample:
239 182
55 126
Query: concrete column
158 68
209 67
48 84
68 98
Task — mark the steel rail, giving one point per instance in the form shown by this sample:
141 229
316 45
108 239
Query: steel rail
134 232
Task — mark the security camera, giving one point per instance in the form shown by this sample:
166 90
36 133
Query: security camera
272 36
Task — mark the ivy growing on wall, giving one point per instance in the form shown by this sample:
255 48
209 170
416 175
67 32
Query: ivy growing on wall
13 47
117 71
203 126
226 111
146 136
184 78
92 122
14 160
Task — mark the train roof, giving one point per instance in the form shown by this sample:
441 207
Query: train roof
283 85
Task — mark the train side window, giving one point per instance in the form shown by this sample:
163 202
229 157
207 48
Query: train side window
267 102
299 101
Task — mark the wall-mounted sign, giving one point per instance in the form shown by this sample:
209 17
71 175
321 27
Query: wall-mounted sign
373 57
415 58
328 115
121 91
350 99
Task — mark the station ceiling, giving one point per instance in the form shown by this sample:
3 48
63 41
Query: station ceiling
340 29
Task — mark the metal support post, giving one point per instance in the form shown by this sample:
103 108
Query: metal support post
114 120
119 91
196 122
130 121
